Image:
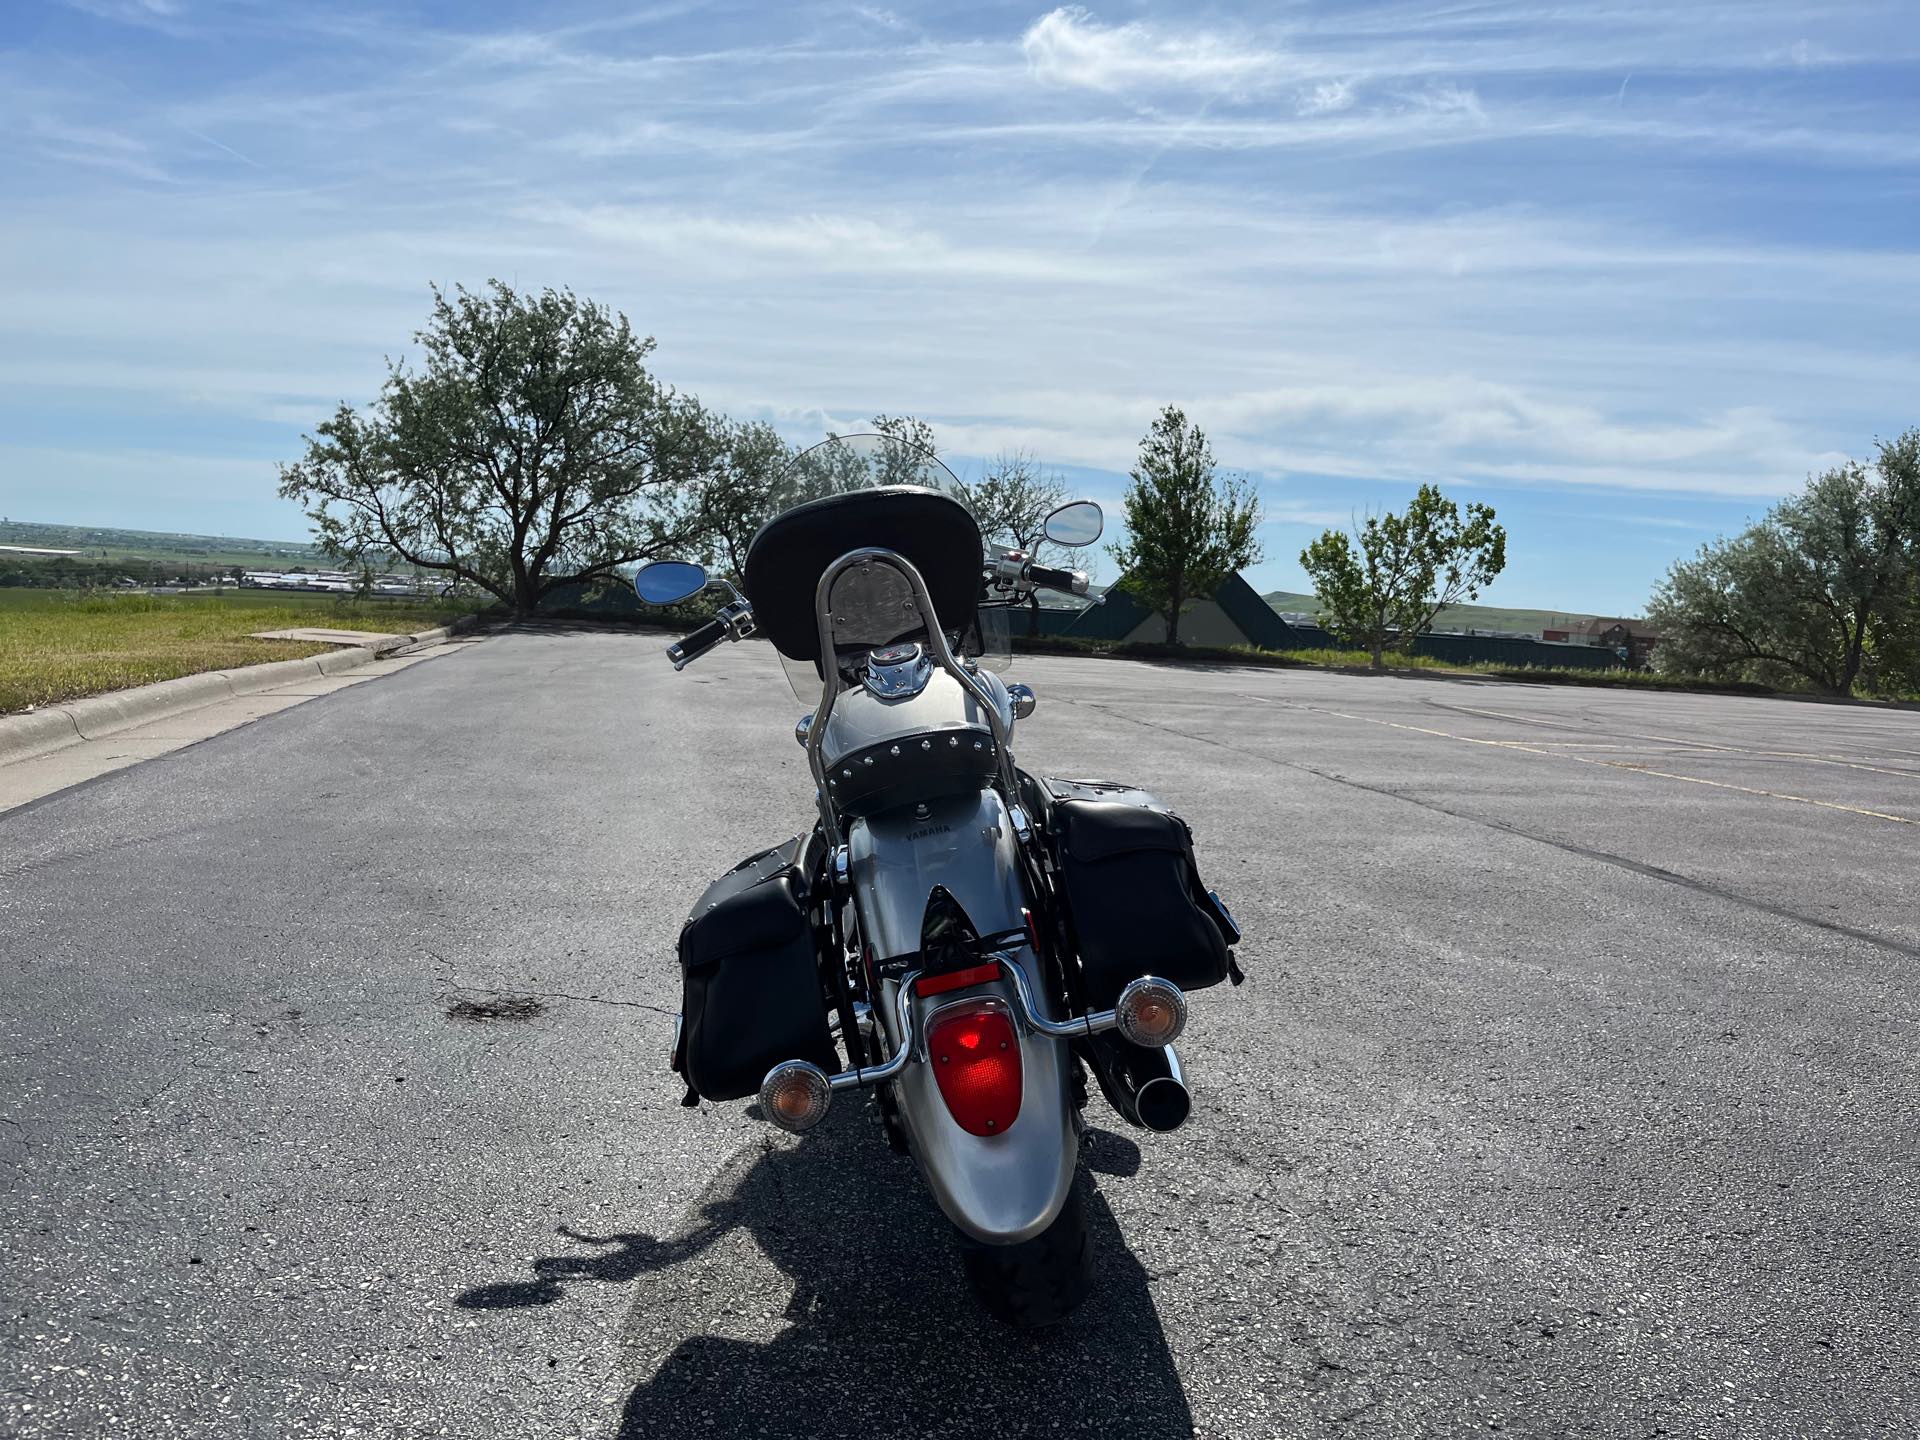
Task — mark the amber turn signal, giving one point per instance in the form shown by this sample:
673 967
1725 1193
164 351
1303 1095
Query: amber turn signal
795 1095
1151 1012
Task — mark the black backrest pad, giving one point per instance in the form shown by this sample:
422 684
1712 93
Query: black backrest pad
792 551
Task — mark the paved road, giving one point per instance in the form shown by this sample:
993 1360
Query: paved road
1573 1092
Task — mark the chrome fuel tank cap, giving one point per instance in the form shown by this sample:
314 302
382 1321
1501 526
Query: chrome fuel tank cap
895 671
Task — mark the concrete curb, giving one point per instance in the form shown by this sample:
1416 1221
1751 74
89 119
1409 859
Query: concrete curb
27 737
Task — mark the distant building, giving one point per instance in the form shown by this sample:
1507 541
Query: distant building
1234 614
1632 639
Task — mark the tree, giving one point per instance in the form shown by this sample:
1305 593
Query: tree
908 432
1187 528
532 450
1405 570
755 475
748 482
1821 591
1011 500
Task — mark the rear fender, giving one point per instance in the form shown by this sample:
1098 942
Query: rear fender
999 1189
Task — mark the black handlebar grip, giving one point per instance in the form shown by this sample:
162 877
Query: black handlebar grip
1067 582
695 643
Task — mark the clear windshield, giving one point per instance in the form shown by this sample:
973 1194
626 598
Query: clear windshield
865 603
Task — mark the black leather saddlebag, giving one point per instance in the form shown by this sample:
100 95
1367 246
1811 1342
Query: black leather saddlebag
750 990
1133 895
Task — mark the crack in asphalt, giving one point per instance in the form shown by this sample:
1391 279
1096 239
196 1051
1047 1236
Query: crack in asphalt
1586 852
446 974
591 1000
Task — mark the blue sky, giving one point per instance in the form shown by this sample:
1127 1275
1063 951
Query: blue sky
1627 271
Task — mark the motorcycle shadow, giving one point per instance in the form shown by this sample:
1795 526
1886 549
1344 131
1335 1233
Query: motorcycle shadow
881 1335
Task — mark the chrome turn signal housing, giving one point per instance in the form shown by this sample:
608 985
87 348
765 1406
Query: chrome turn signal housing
795 1095
1151 1012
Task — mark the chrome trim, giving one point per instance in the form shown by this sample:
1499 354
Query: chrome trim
1023 698
901 681
1095 1022
936 642
889 1068
1022 827
840 864
1174 1068
1033 1019
800 729
1175 1076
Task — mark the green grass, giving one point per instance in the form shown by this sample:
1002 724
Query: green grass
59 645
1361 659
1218 654
1621 679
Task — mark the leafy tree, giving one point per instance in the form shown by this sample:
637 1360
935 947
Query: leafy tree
755 476
533 449
747 484
1187 527
1821 592
1397 572
1011 500
909 432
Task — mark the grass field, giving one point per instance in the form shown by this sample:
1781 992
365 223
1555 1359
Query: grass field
96 542
59 645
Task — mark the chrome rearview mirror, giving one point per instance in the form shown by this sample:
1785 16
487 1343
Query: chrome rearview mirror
1074 525
668 582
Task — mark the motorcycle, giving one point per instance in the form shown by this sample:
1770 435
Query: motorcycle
959 939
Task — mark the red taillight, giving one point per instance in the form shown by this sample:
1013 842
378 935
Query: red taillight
975 1054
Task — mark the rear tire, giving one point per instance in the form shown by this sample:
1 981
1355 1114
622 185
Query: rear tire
1039 1282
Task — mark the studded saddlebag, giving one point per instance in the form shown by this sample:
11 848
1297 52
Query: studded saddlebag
750 990
1134 899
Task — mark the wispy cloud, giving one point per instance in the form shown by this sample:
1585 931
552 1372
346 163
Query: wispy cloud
1364 245
1329 97
1070 47
135 12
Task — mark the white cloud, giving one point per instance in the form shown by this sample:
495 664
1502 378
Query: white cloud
1070 47
1329 97
1363 247
131 11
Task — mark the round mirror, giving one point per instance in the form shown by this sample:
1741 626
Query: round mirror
668 582
1075 525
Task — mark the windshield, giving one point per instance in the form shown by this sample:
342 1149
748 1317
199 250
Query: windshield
864 602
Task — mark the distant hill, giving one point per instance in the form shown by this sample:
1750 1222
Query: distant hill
1454 617
100 542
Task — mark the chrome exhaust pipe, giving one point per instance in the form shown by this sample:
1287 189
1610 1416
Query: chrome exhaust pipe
1164 1102
1145 1087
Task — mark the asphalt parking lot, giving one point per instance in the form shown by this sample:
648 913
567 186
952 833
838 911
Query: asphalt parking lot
1572 1091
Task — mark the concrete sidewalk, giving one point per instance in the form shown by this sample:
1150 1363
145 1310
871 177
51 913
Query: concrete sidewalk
65 745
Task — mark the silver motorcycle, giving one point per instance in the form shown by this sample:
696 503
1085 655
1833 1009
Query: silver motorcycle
959 939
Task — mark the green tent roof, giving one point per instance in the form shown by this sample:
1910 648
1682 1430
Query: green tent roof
1119 613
